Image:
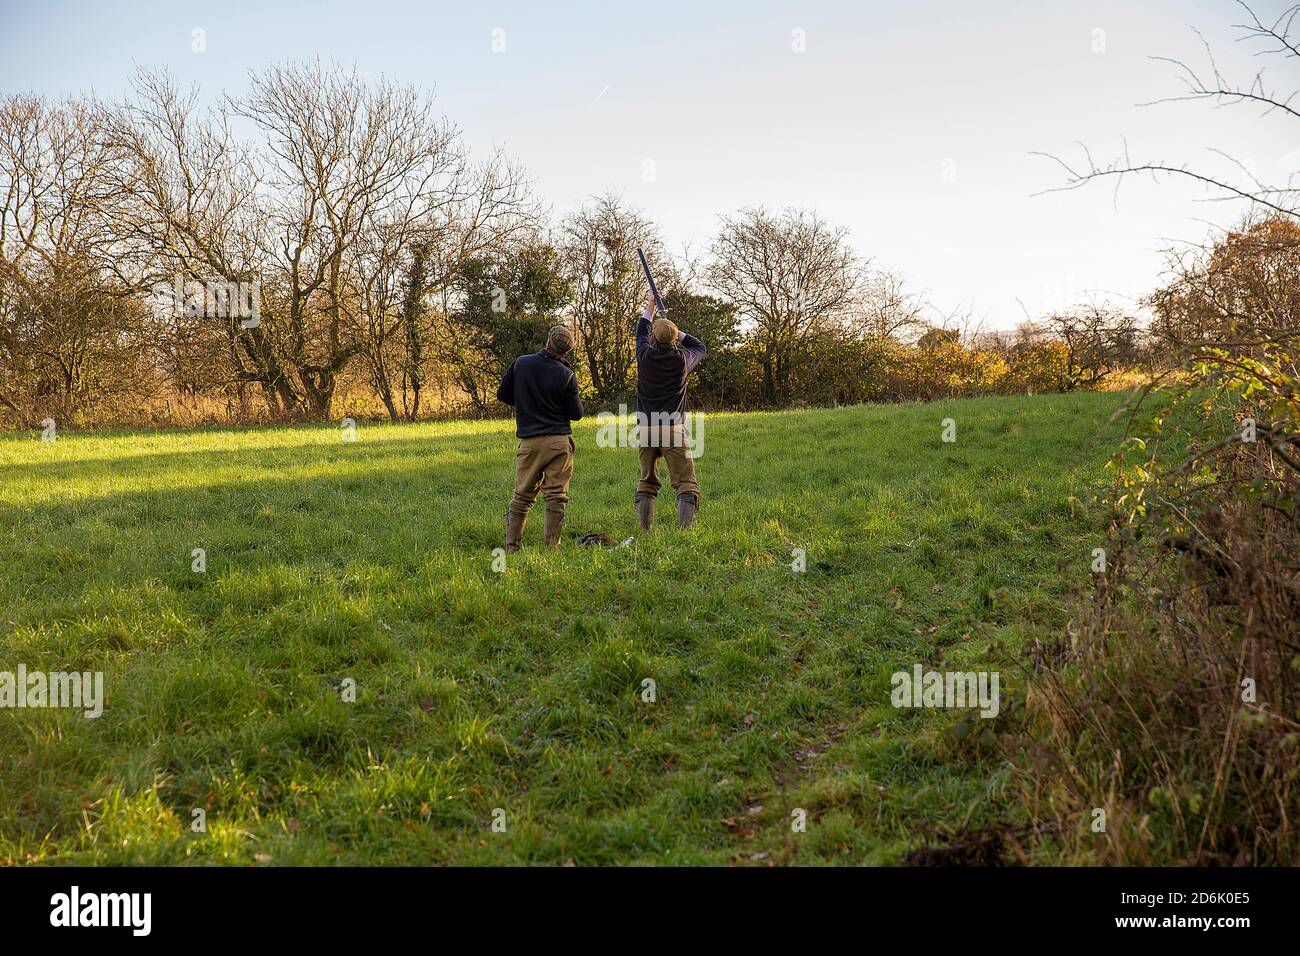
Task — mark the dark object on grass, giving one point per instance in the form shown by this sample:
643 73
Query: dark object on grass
969 848
602 540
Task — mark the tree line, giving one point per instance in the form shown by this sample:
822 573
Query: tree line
324 245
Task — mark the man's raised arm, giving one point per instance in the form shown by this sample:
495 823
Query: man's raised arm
643 325
693 350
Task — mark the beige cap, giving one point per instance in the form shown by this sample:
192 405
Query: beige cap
664 331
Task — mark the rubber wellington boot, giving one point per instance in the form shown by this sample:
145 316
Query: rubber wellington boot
645 510
554 525
515 529
688 503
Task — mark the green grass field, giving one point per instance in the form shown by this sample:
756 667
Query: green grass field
522 691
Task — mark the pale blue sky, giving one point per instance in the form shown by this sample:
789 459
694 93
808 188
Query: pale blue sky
862 125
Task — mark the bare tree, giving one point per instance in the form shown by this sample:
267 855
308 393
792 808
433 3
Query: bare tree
326 213
351 166
887 309
599 243
196 206
1099 340
793 277
69 330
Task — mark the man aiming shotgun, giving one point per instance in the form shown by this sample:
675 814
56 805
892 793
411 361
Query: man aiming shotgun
544 392
664 358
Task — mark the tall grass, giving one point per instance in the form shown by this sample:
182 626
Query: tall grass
1172 715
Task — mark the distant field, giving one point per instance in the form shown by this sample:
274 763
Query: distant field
522 691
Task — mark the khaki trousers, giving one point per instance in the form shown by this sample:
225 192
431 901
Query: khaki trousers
669 443
545 464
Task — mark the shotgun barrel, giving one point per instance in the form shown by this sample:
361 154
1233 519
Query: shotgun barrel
654 290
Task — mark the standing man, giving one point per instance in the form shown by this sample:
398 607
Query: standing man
664 357
544 392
